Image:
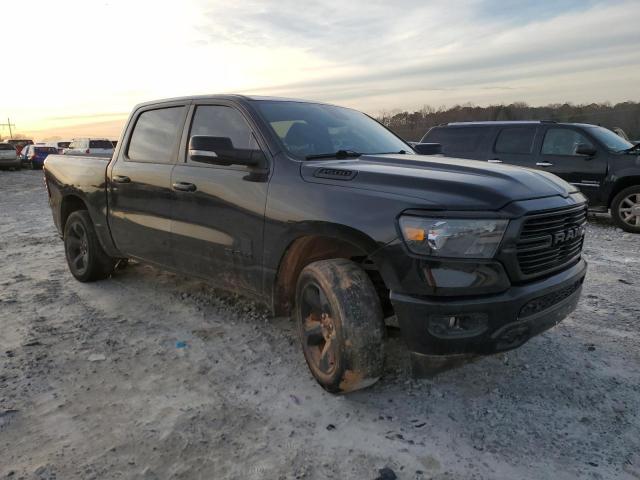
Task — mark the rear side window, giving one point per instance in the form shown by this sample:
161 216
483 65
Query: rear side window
100 144
515 140
6 146
455 139
156 135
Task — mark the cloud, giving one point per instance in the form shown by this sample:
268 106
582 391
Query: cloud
420 48
371 55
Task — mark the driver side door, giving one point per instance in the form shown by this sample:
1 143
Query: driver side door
217 219
558 156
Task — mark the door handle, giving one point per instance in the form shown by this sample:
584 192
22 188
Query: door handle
184 187
494 160
544 164
121 179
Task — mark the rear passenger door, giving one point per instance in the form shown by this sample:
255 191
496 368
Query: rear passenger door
514 144
558 155
218 217
140 193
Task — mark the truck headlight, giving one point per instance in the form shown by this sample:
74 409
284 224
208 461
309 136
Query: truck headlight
458 238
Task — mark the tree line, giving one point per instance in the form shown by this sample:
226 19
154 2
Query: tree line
413 125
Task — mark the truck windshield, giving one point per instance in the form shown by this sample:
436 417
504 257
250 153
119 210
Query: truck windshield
311 129
610 140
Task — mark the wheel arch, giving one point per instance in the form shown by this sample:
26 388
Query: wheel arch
70 203
320 242
74 201
624 182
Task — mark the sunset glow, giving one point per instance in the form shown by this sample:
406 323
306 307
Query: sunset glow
79 70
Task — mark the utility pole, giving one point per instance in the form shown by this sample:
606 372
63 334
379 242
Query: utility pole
8 124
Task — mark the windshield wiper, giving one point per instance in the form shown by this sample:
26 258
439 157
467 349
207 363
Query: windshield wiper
399 152
339 154
631 149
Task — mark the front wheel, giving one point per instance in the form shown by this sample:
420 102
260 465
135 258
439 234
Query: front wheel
625 209
340 323
86 259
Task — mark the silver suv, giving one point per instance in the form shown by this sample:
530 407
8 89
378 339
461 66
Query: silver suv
9 156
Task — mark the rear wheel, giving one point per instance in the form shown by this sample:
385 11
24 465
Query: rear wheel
340 324
86 259
625 209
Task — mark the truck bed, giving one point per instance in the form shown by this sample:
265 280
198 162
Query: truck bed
84 178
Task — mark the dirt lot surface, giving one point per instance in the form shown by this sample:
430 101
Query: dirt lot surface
153 375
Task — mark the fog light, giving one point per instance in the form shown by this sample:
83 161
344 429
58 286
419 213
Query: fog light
457 325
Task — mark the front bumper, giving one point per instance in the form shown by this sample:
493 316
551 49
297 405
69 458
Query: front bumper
489 323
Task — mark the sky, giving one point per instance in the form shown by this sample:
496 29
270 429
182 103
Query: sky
81 65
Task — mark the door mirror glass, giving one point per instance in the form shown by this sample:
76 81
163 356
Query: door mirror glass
585 149
219 151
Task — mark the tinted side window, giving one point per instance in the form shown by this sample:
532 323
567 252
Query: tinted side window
100 144
515 140
6 146
218 121
456 139
563 141
155 135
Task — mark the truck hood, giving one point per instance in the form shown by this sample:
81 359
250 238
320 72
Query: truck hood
440 182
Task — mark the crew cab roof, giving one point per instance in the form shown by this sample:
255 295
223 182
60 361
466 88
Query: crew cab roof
247 98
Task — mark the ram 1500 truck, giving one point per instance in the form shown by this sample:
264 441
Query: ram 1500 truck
325 215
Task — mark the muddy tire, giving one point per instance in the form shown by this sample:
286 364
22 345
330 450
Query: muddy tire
340 324
86 259
625 209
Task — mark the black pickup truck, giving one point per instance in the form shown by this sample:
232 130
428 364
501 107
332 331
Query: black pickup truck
322 213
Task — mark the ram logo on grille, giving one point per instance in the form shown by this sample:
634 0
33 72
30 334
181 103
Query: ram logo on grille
550 240
567 235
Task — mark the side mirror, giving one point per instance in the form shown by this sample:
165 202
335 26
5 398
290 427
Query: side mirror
427 148
219 151
584 149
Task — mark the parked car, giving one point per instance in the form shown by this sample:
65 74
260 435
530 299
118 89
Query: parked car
605 166
90 146
321 212
20 144
59 145
33 156
9 156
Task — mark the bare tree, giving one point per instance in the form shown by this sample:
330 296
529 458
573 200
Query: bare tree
412 126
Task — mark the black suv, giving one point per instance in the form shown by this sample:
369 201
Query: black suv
603 165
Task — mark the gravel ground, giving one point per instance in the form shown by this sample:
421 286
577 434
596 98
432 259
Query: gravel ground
153 375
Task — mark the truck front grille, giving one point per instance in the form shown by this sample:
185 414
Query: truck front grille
551 240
